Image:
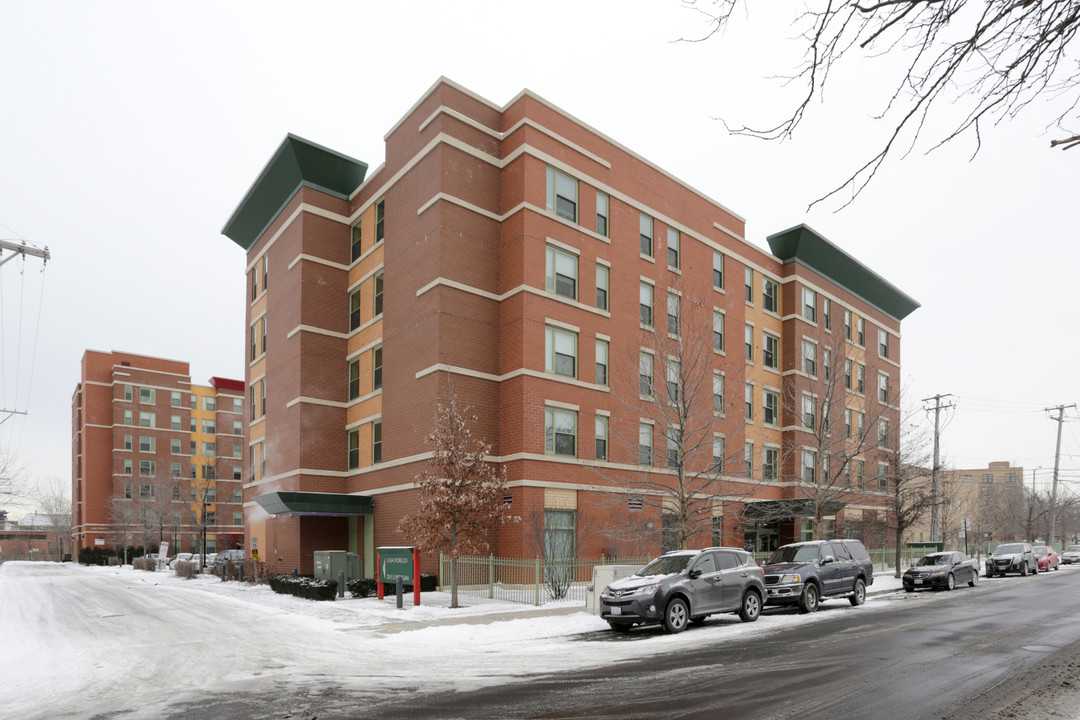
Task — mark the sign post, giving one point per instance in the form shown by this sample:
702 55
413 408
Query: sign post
396 563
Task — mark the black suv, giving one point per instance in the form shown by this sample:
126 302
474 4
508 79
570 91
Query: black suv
685 586
1012 557
805 573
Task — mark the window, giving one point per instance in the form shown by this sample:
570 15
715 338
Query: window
127 442
770 296
860 325
770 407
645 298
354 449
354 379
266 271
674 381
127 417
210 519
860 377
883 433
376 442
718 331
644 444
770 351
193 424
560 352
560 432
748 401
718 454
562 196
561 277
673 314
237 451
175 398
146 491
847 423
354 316
237 474
1010 477
209 427
645 224
355 248
645 374
749 342
673 248
601 362
176 472
883 476
146 396
988 477
127 393
860 473
147 468
210 473
749 282
263 325
718 394
809 412
770 468
376 368
147 444
601 213
378 294
194 401
847 324
380 220
127 470
559 533
826 313
674 434
209 449
262 388
252 402
237 518
194 446
237 495
718 270
253 345
883 388
237 405
809 299
237 427
748 459
254 282
848 364
809 358
602 280
883 343
601 437
809 466
826 363
146 419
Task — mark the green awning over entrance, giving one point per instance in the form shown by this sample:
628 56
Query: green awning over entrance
780 509
311 503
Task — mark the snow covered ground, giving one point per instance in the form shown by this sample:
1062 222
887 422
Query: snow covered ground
117 639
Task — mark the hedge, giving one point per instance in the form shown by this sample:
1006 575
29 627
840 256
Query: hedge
304 586
367 586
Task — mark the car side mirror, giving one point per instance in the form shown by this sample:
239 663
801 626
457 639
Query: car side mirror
828 559
695 573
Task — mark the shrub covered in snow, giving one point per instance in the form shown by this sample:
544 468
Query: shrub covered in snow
186 570
362 587
303 586
367 586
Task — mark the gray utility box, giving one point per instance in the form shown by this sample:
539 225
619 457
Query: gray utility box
602 576
328 563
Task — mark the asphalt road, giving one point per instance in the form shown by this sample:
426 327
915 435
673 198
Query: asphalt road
964 654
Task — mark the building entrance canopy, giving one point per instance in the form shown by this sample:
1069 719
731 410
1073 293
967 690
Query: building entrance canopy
312 503
779 509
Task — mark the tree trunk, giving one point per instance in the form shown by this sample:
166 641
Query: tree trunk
453 581
899 537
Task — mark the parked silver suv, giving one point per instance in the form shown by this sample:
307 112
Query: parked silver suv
1012 557
686 586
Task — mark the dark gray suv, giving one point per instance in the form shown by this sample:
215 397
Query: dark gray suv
685 586
805 573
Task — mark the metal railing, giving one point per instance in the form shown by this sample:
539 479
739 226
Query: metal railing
533 582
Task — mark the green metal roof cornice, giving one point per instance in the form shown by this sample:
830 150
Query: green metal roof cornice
803 245
297 163
312 503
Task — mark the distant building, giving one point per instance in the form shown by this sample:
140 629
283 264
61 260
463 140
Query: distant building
517 258
154 457
979 505
31 538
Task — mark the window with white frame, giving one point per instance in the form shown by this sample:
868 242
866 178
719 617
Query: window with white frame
883 342
645 300
601 437
883 388
847 324
674 437
562 194
860 328
883 433
127 442
770 351
770 466
645 443
147 444
748 401
826 363
146 419
602 213
645 374
809 300
560 352
718 331
127 393
603 277
809 411
718 393
209 427
883 476
176 446
847 423
860 378
809 466
646 230
748 459
673 248
826 313
748 283
809 358
673 314
770 407
560 432
146 396
718 270
748 341
601 362
718 454
354 316
175 399
562 272
147 468
674 381
770 295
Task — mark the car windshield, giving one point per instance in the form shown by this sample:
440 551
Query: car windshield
1073 548
935 560
1041 550
666 565
794 553
1010 549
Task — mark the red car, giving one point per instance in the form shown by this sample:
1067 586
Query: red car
1048 559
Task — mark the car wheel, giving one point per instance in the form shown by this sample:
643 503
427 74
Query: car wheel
676 616
858 596
950 582
751 607
808 603
697 621
909 589
620 627
974 579
1023 570
1035 570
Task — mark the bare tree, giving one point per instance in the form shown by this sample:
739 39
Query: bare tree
461 495
53 500
907 477
557 546
12 482
990 58
675 392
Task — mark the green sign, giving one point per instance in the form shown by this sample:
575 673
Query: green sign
394 563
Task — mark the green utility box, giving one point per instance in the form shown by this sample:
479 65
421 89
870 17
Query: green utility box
328 563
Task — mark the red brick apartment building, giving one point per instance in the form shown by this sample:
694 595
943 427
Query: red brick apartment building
528 264
155 457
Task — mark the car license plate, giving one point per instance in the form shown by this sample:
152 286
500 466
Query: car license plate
616 610
918 582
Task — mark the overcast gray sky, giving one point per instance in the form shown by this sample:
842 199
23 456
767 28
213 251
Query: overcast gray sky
131 130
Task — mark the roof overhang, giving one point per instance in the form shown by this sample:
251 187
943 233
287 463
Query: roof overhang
296 163
803 245
312 503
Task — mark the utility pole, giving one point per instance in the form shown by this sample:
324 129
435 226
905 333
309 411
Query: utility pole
1057 458
16 249
935 501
